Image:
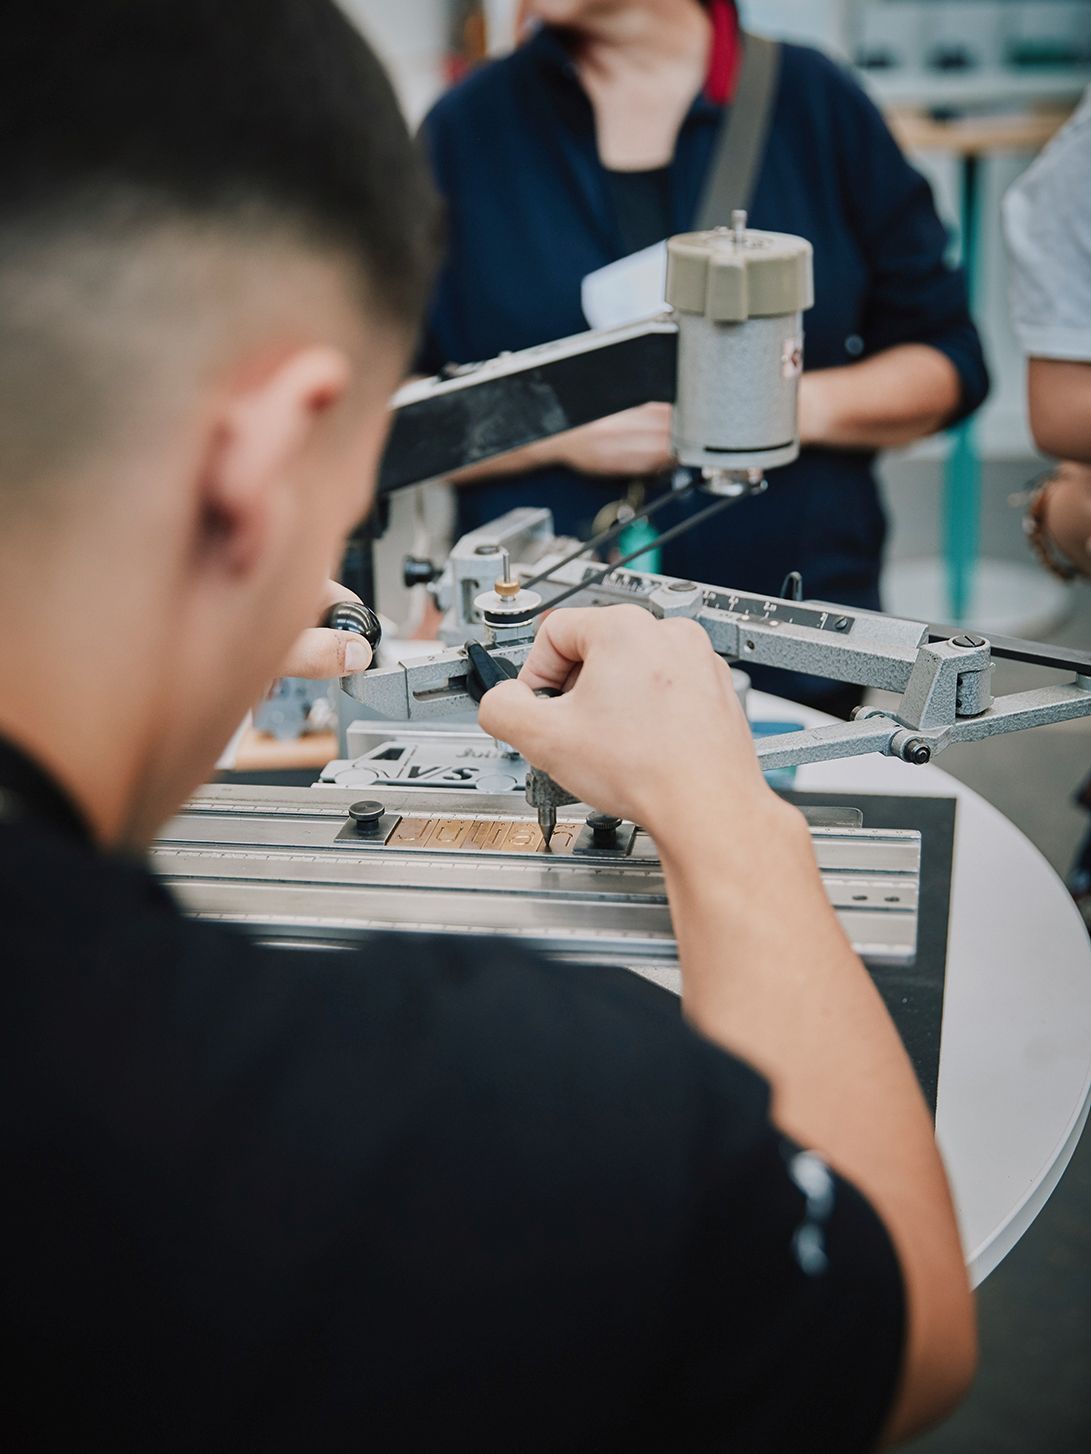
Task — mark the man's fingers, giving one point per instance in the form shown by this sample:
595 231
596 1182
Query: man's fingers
321 654
558 648
655 415
567 637
511 712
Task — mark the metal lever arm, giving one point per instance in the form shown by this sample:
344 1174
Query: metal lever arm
944 682
435 688
877 731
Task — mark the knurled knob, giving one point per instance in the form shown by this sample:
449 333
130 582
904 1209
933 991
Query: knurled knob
730 276
603 828
367 815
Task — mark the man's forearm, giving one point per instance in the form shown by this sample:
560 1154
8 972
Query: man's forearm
768 973
1059 394
902 394
766 969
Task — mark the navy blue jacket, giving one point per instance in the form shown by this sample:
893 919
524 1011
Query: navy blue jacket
530 213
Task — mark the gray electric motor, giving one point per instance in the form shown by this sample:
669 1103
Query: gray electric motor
739 298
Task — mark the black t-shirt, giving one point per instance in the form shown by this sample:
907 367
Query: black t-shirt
642 206
435 1194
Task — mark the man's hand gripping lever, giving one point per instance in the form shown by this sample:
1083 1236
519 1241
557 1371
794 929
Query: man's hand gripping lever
543 794
647 727
601 704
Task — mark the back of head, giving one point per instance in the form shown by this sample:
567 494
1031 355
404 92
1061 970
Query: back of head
190 125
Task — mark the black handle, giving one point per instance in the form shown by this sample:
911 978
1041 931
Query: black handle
417 572
485 670
354 616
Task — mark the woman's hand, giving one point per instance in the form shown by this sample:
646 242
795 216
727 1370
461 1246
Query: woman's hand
636 442
902 394
321 654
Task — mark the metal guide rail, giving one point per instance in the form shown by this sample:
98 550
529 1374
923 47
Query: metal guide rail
291 865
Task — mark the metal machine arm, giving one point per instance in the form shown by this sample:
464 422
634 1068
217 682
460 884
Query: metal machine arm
944 680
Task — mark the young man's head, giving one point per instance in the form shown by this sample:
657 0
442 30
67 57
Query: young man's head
215 241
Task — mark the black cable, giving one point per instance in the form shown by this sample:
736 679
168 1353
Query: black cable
668 535
605 537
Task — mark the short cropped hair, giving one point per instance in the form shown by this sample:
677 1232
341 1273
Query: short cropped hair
172 173
204 108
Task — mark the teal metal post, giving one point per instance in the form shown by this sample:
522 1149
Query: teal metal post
962 474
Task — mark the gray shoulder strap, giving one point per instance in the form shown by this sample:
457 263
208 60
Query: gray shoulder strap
740 145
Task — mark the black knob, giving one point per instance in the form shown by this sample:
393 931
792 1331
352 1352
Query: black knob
951 57
356 617
367 815
417 571
875 59
917 752
603 828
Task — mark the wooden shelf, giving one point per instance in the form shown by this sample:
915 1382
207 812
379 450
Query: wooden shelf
258 752
976 135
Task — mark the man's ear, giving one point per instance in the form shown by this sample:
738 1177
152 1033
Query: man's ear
263 431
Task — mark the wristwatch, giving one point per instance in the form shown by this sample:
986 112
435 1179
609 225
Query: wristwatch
1034 527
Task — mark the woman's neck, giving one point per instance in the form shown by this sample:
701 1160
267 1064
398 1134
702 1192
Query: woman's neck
657 36
641 66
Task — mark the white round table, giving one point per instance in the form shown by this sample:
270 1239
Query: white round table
1015 1054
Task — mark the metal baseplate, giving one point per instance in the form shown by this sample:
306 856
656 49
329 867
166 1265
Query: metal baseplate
289 866
394 755
457 756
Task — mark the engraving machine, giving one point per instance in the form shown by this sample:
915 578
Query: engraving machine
320 864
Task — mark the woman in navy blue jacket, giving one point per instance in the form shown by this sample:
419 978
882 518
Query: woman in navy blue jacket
594 139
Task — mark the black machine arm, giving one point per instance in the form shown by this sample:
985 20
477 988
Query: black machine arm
481 410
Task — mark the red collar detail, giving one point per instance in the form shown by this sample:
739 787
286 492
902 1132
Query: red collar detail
723 61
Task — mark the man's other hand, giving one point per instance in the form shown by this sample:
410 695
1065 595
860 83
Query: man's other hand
319 653
647 725
1068 513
